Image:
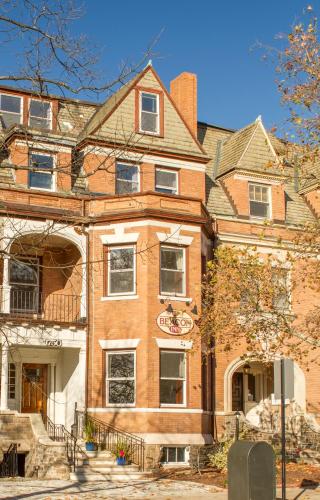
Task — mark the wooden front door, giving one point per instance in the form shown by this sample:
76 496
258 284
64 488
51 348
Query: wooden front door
237 392
34 388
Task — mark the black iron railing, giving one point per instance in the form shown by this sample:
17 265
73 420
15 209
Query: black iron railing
37 305
58 432
109 437
9 464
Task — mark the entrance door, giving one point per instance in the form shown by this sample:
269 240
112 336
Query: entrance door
237 392
34 388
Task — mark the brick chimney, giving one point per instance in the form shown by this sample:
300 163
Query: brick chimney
183 90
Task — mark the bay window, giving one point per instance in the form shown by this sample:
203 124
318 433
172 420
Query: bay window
127 178
120 380
40 114
121 270
172 378
10 110
41 171
166 181
172 271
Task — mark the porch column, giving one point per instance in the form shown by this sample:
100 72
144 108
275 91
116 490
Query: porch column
4 378
5 302
52 392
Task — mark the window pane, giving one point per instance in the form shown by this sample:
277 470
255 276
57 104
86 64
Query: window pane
121 258
172 282
23 272
166 179
40 180
121 365
181 455
259 209
172 364
149 122
40 109
121 392
149 103
264 194
171 391
172 452
127 172
10 103
172 258
39 123
121 282
42 161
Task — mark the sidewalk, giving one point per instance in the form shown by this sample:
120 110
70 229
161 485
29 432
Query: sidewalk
24 489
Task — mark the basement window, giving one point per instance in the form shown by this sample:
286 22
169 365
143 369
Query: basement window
173 455
40 114
10 110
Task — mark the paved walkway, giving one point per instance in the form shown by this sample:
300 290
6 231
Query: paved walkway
156 490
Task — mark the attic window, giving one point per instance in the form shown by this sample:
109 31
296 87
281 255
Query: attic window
260 201
40 114
10 110
149 113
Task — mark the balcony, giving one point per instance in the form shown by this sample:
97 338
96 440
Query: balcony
33 305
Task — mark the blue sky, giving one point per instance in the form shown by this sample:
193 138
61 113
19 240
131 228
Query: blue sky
211 38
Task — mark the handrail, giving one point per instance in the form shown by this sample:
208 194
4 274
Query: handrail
58 432
9 464
108 437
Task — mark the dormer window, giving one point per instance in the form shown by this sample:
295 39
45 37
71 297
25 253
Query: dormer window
10 110
260 201
149 113
40 115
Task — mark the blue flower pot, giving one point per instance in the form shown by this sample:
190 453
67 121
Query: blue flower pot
90 446
121 460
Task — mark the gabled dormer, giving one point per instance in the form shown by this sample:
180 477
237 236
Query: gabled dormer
250 173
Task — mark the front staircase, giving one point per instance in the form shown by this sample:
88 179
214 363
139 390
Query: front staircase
102 466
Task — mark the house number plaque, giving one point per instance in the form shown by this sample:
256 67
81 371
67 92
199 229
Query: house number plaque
53 343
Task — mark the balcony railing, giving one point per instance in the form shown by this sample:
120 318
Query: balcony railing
36 305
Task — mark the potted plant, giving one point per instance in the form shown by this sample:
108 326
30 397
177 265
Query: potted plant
89 431
122 452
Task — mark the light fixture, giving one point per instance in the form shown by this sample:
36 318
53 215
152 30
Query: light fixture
246 369
169 308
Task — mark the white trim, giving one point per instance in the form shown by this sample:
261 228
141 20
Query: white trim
55 148
259 121
120 238
145 158
174 344
258 179
184 380
157 131
269 203
119 297
174 298
168 439
175 239
145 223
148 410
134 269
234 238
119 343
184 271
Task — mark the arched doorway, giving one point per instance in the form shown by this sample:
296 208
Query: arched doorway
251 383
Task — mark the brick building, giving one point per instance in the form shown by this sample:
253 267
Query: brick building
108 216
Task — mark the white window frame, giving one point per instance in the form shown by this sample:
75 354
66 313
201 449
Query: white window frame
168 294
184 381
176 172
12 381
128 165
53 174
21 106
39 118
176 463
119 294
157 132
259 184
134 378
36 260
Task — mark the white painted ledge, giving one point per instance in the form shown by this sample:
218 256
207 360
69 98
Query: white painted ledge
120 297
174 298
119 344
175 239
119 238
174 343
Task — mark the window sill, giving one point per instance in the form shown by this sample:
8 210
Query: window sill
172 406
120 297
120 406
175 298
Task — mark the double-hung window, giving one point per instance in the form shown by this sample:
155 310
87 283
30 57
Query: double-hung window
281 297
10 110
149 113
166 181
41 174
24 284
40 115
127 178
11 381
121 270
172 271
120 381
172 378
260 201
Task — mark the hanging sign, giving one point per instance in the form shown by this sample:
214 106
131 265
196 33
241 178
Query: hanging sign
175 323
